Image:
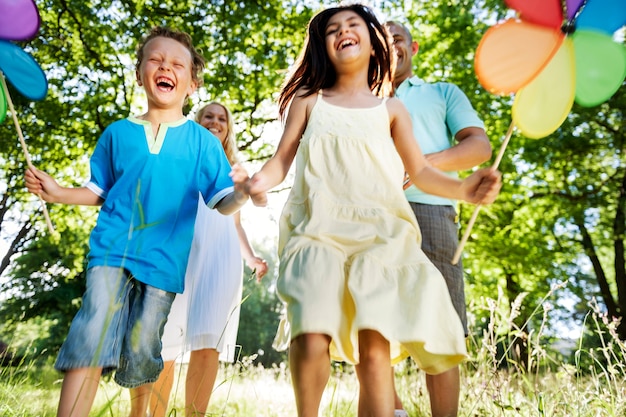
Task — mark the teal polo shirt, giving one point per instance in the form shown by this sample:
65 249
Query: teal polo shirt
438 111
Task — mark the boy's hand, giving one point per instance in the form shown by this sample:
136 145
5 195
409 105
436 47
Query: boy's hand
42 184
242 186
240 178
483 186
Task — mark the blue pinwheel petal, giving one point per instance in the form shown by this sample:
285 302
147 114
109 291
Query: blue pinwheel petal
22 71
602 15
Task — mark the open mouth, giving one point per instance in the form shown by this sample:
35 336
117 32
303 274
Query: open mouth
346 43
165 83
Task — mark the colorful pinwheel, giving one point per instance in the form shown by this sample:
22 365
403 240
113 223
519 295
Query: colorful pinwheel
550 57
19 20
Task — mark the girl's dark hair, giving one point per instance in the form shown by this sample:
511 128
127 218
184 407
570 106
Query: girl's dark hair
197 61
313 70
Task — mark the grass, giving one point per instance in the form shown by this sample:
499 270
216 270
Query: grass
495 382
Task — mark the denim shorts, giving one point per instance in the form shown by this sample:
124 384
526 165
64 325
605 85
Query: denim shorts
440 238
118 327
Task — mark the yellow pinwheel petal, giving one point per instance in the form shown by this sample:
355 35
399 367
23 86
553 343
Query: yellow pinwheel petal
542 105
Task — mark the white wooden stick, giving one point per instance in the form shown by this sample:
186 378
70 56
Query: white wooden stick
23 144
470 224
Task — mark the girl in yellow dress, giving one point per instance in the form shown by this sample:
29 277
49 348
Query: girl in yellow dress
350 263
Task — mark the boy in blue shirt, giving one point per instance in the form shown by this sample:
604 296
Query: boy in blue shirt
146 173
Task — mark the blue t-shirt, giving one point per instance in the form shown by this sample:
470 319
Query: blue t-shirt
438 111
150 188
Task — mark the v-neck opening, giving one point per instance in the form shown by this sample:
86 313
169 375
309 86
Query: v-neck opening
155 143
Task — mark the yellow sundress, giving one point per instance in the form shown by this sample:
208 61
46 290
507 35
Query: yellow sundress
349 246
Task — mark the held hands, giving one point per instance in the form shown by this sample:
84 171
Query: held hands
482 187
243 186
257 186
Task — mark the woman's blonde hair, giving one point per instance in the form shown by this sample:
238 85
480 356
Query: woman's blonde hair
230 143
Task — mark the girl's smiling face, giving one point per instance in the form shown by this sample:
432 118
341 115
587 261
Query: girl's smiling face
347 36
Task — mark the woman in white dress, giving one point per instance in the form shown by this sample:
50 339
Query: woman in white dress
204 319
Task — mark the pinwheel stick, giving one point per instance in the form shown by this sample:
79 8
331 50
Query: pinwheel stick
23 143
470 224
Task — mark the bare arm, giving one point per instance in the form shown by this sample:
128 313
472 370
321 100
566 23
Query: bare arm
233 201
255 263
481 187
276 168
472 149
42 184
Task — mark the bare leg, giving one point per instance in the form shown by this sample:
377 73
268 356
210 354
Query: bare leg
160 395
444 393
309 362
376 392
139 399
201 374
78 392
397 402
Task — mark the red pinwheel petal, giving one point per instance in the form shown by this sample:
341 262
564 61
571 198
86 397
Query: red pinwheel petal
540 12
512 53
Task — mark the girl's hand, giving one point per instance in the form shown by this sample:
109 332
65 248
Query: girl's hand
482 187
258 190
259 266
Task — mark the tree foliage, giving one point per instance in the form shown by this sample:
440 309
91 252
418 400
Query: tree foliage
556 232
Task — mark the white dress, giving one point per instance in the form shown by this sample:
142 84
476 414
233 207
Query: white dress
206 315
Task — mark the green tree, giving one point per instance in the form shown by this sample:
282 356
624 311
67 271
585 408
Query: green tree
560 217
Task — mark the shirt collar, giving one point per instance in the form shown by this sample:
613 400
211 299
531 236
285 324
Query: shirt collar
413 80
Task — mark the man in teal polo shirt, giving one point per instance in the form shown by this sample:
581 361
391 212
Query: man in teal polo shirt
453 138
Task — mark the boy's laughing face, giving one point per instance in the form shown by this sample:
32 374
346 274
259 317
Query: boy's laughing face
165 73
